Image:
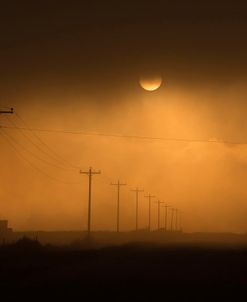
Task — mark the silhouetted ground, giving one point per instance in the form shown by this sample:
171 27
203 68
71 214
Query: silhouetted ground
127 272
112 238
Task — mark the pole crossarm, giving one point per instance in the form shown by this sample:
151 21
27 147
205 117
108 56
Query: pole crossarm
90 172
10 111
118 184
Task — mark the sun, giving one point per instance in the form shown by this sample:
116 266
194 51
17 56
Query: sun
150 83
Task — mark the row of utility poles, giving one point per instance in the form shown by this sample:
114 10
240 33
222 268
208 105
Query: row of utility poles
90 173
175 213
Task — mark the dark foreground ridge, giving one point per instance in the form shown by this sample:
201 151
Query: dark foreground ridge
142 269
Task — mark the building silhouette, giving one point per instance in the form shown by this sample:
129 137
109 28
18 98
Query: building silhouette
5 231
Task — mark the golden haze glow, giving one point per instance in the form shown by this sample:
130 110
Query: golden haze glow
205 180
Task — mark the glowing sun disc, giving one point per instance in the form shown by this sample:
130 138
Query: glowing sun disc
150 83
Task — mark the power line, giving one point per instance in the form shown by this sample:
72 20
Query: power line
36 145
32 153
6 137
87 133
54 155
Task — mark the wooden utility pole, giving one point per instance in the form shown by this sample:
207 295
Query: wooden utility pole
118 184
180 221
137 191
149 196
166 207
90 173
176 220
172 217
159 203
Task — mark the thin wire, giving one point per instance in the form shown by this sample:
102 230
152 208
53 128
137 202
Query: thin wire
7 138
37 146
128 136
55 155
33 154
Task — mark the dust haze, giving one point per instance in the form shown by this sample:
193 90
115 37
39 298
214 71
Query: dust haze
205 180
76 67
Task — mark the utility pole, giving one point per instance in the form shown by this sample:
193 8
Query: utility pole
159 203
176 220
166 207
137 191
10 111
180 221
118 184
172 216
149 196
89 173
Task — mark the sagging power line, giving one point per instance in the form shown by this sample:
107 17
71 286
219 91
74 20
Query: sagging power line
40 149
13 143
43 160
25 159
51 152
172 139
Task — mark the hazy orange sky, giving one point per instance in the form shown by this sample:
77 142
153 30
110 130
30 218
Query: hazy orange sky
77 68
